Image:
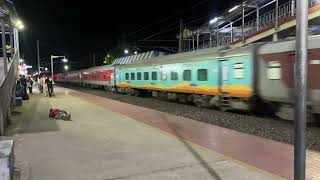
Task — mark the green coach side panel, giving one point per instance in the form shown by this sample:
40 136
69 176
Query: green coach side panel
231 75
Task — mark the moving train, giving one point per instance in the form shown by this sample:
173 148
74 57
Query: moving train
257 77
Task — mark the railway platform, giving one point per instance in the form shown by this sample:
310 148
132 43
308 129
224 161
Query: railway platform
107 139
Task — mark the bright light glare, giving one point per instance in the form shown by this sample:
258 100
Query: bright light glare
64 60
232 9
46 69
19 25
126 51
214 20
21 60
135 52
66 67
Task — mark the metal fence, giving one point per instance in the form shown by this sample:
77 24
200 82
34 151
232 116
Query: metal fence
228 34
9 60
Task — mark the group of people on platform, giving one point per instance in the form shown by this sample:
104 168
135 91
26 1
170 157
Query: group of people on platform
23 86
46 85
26 84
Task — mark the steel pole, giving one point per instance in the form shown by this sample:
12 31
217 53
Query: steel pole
198 41
11 42
231 32
4 51
242 26
38 55
277 15
300 90
51 66
193 42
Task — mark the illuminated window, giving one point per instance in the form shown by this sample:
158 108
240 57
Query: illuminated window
238 71
274 71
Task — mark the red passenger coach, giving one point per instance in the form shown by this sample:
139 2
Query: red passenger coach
94 77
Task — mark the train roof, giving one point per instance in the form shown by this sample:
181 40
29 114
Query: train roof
196 55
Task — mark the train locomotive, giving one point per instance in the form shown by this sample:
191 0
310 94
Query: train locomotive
257 77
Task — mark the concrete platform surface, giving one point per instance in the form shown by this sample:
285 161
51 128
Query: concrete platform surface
102 144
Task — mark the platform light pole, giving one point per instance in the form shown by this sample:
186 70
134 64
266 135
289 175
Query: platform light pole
53 57
300 89
38 55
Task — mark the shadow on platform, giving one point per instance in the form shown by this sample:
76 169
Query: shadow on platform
203 162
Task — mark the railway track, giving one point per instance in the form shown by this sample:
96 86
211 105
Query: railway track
267 127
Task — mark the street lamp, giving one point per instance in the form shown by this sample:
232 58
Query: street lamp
136 52
53 57
126 51
64 60
19 24
66 67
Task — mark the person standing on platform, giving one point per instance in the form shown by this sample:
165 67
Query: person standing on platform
30 84
45 86
23 82
40 84
49 83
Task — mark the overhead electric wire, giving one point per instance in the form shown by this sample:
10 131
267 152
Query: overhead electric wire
167 18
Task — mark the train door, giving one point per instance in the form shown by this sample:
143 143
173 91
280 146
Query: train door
224 80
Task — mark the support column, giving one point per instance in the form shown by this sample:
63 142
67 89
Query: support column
11 42
231 32
242 26
275 37
277 15
300 90
16 42
258 19
217 35
210 40
193 45
198 40
293 7
4 50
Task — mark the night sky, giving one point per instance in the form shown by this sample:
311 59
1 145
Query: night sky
78 29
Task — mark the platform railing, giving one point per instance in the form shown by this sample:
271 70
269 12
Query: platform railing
253 26
8 80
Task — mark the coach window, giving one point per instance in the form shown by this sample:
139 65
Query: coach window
133 76
238 70
187 75
174 76
127 76
146 75
163 75
202 74
154 76
139 76
274 71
